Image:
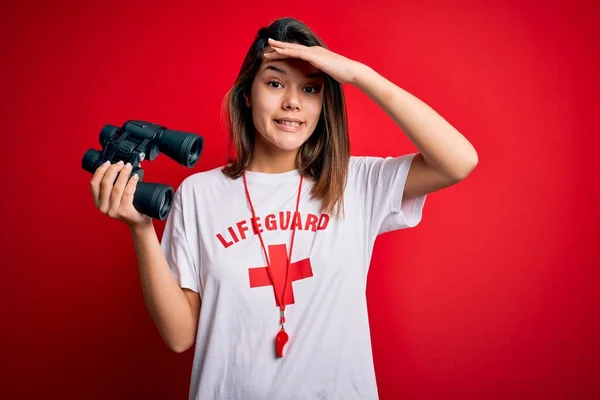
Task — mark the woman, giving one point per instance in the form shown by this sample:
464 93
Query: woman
276 245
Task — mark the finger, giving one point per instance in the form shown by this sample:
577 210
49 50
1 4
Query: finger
269 50
127 199
95 182
107 184
292 53
117 190
274 56
273 42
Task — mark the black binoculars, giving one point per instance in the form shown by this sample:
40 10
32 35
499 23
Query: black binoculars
136 141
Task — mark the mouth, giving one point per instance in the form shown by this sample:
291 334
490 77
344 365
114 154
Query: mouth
290 126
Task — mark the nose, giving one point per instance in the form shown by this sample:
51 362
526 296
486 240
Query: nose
292 101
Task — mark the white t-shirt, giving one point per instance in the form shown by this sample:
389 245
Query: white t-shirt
212 249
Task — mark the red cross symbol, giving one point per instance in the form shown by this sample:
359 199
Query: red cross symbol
278 256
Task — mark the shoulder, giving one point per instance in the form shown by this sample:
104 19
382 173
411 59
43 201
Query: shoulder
360 165
377 168
366 163
207 176
210 180
357 162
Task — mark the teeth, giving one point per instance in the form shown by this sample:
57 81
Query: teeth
289 123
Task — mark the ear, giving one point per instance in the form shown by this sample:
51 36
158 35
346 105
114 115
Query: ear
248 103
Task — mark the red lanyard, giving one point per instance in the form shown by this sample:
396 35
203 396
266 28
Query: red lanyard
282 337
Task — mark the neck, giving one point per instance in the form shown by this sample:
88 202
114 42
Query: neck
272 160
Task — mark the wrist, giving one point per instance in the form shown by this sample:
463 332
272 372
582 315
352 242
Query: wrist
359 71
142 227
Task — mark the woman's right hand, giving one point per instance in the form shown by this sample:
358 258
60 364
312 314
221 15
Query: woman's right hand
115 199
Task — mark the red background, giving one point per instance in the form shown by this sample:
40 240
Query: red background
493 296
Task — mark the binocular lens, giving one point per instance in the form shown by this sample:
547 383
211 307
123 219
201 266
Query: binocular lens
90 160
153 199
184 147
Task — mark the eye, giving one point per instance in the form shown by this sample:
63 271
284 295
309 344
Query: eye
275 82
311 89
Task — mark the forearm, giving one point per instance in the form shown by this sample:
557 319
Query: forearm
441 145
165 300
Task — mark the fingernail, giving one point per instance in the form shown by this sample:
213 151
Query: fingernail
128 165
106 163
120 162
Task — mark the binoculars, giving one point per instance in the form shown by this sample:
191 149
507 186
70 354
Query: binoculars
136 141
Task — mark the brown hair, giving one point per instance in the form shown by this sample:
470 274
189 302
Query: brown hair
324 157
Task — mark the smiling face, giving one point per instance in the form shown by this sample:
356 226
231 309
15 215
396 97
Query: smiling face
286 101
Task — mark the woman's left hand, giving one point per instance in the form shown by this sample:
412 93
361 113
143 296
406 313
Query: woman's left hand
340 68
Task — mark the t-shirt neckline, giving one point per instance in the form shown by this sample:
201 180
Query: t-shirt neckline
272 177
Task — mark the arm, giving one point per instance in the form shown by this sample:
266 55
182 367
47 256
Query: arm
175 311
446 156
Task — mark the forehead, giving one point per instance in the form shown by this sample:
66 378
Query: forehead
291 67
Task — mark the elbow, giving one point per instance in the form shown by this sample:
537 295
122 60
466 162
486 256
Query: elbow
179 343
180 350
181 346
466 167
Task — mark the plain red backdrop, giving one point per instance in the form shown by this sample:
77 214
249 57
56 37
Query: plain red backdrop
492 296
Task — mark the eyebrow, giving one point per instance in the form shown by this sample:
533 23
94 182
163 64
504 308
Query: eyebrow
319 74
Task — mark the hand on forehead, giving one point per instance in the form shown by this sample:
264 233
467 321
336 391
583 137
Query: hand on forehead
296 65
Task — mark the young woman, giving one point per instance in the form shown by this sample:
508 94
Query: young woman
276 245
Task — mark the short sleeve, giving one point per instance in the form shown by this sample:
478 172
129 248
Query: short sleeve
380 184
175 245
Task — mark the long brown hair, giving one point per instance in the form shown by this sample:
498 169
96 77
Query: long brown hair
324 157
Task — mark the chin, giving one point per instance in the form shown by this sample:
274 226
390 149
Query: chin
287 141
288 145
